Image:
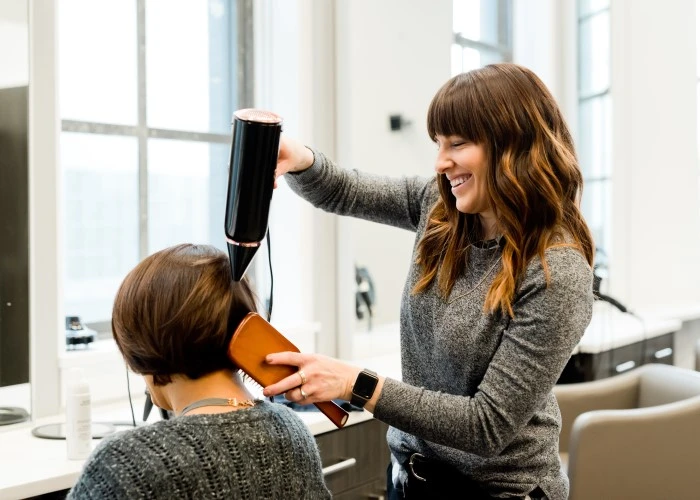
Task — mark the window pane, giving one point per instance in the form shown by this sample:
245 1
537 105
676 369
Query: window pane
456 59
596 206
188 65
586 7
14 44
479 20
490 57
101 203
186 193
595 127
97 61
471 59
594 46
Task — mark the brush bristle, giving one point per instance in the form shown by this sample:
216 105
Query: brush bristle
250 383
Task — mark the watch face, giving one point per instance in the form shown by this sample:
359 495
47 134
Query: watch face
365 384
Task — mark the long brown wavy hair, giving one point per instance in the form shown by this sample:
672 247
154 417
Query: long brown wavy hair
533 180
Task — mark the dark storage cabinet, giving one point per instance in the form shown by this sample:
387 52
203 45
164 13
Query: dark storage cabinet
361 457
584 367
14 237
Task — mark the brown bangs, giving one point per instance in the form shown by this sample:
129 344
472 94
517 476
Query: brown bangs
455 110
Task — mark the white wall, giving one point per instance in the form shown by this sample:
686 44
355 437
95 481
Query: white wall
391 58
655 257
14 43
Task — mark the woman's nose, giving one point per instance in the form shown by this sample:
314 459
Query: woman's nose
442 163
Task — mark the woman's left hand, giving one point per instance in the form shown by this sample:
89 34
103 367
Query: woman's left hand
324 378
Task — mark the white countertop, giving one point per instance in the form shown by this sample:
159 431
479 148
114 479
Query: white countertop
610 328
685 312
32 466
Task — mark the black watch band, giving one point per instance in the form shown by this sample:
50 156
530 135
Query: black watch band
364 387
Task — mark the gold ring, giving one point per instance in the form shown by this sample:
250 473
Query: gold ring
303 376
303 394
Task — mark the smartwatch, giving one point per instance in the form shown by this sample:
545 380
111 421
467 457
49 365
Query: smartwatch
364 387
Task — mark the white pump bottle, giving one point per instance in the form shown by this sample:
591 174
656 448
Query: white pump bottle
78 416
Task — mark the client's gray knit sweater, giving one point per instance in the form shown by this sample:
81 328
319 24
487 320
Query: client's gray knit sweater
477 388
260 452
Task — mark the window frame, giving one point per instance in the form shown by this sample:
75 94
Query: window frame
242 69
504 47
582 100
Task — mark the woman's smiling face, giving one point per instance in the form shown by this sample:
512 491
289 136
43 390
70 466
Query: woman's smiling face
465 166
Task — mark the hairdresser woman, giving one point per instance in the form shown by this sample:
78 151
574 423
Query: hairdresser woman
497 297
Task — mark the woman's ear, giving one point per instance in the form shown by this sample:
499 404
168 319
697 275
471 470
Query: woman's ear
156 392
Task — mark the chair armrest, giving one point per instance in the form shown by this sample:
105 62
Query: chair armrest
639 453
618 392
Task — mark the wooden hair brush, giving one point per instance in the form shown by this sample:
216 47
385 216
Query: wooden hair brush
252 341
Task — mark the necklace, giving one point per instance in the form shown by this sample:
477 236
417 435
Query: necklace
217 402
483 278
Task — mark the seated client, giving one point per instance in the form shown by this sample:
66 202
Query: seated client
173 317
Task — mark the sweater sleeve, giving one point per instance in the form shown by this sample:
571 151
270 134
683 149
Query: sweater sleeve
393 201
548 323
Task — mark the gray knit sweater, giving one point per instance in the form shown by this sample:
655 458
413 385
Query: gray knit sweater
477 388
261 452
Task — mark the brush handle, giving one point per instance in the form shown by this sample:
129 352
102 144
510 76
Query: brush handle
334 412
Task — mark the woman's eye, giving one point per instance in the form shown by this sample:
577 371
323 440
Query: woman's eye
457 144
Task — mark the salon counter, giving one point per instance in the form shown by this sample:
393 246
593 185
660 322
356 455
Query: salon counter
30 466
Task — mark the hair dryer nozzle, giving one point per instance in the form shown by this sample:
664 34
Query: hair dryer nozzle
240 258
254 150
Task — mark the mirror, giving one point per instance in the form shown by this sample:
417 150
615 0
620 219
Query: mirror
14 245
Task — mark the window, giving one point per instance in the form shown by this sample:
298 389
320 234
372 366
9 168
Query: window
482 33
147 91
595 119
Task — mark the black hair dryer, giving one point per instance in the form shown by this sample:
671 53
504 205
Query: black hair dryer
251 178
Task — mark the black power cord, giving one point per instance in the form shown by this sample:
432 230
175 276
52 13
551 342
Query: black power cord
272 281
128 389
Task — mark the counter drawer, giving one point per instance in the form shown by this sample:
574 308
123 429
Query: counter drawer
625 358
354 456
375 490
659 350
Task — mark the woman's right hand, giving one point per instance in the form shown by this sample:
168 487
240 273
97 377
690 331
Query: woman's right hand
293 157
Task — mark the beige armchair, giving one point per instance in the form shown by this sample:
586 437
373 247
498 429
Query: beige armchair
632 436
